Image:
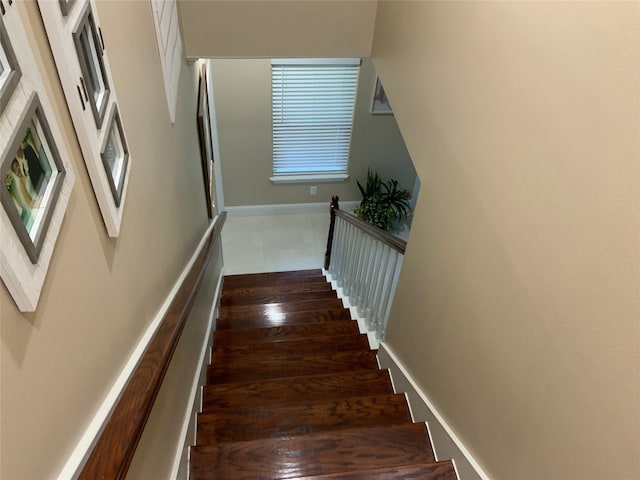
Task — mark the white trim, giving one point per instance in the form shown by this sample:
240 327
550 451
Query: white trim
332 177
438 425
80 452
196 399
287 209
316 61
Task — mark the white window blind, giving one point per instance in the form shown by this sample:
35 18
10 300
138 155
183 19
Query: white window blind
313 107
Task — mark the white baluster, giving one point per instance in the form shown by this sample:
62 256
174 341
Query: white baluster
380 282
385 303
370 296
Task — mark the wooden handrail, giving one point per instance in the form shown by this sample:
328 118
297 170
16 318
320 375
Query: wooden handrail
113 452
386 238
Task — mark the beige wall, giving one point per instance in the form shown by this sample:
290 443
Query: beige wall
243 111
100 294
163 436
277 28
518 305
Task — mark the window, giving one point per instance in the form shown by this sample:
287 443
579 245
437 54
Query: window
312 108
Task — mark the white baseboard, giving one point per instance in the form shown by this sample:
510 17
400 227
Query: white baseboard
446 444
286 209
81 451
189 423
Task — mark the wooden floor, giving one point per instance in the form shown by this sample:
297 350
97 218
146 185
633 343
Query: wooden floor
293 391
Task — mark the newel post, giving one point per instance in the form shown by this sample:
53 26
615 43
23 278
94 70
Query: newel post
333 207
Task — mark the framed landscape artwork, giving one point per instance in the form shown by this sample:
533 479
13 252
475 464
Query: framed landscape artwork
206 143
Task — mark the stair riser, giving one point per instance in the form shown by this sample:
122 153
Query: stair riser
296 390
307 346
240 370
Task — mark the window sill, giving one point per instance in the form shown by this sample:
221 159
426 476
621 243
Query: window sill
334 177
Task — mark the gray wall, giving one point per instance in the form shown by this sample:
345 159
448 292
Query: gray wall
243 109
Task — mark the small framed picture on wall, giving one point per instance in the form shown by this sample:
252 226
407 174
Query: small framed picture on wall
380 103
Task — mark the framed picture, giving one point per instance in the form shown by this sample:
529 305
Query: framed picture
35 169
89 47
65 6
115 155
206 143
32 174
9 69
380 103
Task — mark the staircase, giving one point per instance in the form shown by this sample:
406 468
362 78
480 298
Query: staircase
293 391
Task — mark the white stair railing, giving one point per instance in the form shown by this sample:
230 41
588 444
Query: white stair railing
365 263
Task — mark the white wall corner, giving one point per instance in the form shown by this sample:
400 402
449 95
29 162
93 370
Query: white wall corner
446 444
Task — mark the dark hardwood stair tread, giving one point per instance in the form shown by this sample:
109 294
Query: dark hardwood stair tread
443 470
242 293
275 298
293 390
242 369
255 279
284 318
275 310
238 424
314 454
246 336
307 346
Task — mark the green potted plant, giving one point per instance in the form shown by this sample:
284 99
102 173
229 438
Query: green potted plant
382 202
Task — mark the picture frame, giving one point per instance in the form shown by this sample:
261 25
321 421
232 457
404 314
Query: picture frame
9 68
70 38
32 174
94 80
205 139
30 229
115 155
380 103
65 6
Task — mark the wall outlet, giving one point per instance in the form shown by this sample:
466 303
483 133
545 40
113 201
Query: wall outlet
313 190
